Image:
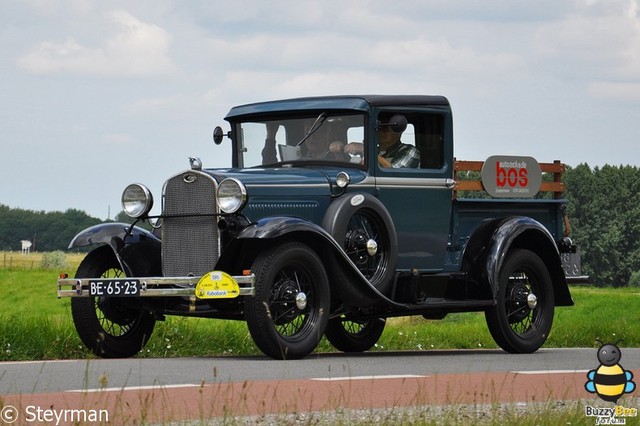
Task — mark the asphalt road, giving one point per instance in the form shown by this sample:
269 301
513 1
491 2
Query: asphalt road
75 375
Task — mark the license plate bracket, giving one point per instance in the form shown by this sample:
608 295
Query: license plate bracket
571 264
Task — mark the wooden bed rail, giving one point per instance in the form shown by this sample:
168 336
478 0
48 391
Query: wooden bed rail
556 168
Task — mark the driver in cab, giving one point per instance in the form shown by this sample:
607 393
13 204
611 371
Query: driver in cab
392 152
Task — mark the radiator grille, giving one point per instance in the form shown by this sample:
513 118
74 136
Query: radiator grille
190 244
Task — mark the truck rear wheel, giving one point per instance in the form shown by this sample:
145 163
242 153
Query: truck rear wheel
109 327
354 336
521 320
288 315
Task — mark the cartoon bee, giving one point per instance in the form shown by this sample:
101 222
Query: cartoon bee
610 381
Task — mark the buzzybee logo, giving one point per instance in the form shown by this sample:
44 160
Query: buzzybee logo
610 381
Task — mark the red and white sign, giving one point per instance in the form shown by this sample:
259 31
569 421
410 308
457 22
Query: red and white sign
511 177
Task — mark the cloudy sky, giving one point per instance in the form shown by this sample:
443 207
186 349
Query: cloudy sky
96 95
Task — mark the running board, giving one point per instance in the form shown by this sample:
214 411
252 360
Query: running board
442 303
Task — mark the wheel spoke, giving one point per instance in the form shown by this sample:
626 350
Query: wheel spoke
289 320
519 315
353 327
360 230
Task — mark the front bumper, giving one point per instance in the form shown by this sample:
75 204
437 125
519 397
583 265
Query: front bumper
154 286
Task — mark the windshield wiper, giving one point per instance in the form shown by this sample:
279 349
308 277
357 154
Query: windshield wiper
315 126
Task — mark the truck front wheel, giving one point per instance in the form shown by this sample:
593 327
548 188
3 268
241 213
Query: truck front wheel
521 319
109 327
288 315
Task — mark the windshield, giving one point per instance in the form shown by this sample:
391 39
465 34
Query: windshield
320 137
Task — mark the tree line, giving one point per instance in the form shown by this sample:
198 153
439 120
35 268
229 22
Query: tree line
604 210
47 231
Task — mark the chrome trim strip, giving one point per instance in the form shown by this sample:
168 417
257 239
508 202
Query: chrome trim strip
366 182
371 181
79 287
287 185
406 182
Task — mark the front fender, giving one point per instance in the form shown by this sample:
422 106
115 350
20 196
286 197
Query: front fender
340 268
115 235
275 227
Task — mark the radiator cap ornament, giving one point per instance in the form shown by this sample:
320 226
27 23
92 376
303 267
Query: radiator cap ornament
196 163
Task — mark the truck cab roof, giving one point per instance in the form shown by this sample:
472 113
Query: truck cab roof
338 102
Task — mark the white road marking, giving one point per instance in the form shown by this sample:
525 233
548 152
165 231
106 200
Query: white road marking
135 388
48 361
391 376
550 372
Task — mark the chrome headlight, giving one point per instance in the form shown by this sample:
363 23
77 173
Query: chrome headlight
232 195
342 179
137 200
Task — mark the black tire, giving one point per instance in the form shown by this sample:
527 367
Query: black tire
280 327
109 327
516 325
356 220
354 336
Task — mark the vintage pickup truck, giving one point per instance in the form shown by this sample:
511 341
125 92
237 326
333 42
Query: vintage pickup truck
337 213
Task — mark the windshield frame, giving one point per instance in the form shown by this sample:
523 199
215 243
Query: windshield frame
326 131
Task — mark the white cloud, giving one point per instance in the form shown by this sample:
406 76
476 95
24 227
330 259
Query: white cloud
440 57
600 41
118 139
521 75
629 92
136 49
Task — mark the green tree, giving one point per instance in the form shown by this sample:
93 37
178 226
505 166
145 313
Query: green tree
604 210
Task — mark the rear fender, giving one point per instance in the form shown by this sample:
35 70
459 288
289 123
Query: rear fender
117 236
516 232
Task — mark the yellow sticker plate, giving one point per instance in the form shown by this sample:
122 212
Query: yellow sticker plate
217 285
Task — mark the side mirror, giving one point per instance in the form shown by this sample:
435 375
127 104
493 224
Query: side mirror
218 135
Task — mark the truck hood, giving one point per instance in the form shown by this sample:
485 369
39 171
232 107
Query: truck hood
287 191
289 181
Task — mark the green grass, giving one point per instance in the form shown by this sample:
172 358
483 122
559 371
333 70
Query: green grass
34 325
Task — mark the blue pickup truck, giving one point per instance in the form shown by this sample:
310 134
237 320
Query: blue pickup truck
337 213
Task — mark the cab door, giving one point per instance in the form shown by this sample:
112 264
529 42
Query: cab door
419 199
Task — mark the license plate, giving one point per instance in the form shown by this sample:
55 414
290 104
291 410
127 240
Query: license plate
114 288
571 264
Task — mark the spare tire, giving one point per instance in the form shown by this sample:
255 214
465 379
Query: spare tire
362 226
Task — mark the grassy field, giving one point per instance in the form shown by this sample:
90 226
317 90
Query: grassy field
13 260
34 324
